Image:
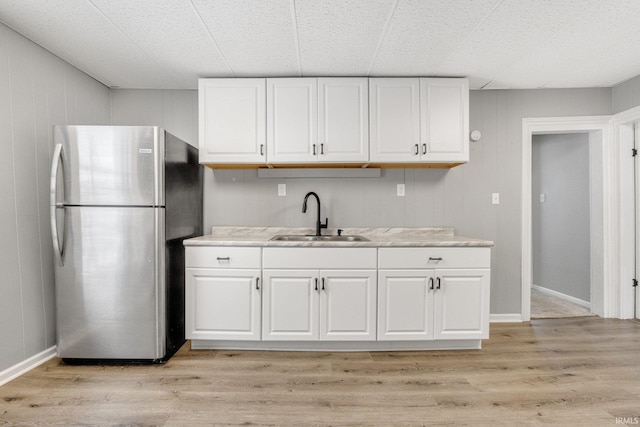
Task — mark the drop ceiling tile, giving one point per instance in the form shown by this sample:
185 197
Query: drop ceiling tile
512 30
172 36
422 34
82 36
339 35
598 49
257 38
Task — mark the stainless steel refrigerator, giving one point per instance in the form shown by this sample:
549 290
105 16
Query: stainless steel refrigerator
123 198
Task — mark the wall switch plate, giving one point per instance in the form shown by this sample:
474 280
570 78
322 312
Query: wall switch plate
495 198
400 190
543 198
282 189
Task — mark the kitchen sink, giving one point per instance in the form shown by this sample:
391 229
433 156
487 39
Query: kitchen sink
312 238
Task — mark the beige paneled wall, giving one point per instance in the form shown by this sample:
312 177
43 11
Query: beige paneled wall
37 90
459 197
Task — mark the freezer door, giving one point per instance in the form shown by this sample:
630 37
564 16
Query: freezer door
110 288
110 165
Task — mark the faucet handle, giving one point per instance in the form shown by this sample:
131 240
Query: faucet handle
340 230
326 223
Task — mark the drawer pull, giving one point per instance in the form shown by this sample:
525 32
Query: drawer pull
226 258
437 259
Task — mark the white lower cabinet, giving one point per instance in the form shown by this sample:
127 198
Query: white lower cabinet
359 295
418 303
310 305
332 298
222 302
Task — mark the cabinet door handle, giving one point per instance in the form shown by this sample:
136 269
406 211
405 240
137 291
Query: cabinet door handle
417 150
424 148
314 149
257 283
226 258
438 259
316 280
322 148
262 149
431 283
438 281
323 283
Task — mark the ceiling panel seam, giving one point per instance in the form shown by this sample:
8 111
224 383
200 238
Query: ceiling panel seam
212 39
469 36
385 29
543 44
294 24
125 35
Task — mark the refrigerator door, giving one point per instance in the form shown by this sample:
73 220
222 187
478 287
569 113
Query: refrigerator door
110 165
110 289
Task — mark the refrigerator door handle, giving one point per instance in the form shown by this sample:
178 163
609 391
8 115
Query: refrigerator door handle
57 160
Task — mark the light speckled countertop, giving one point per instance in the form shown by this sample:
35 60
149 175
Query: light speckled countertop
378 237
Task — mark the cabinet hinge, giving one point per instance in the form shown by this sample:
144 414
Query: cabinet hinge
634 152
635 283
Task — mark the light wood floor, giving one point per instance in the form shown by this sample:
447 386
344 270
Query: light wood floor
545 306
580 371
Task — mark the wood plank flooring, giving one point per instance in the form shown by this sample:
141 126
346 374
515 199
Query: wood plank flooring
576 371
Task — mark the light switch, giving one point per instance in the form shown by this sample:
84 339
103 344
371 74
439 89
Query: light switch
495 198
543 198
400 190
282 189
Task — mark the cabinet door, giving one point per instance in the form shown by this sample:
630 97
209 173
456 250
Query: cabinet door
292 120
394 120
444 110
462 304
232 121
348 305
222 304
405 305
290 305
343 120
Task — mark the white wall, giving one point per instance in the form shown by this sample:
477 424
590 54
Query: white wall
561 224
37 90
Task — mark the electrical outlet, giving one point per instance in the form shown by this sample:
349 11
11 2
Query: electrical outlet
282 189
400 190
495 198
543 198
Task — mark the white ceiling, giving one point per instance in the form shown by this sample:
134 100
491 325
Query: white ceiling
498 44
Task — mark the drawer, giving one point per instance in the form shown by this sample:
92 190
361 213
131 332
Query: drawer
317 258
222 257
434 257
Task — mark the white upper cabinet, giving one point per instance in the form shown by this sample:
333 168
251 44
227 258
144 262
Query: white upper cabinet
232 121
343 120
292 120
444 107
419 120
395 119
312 120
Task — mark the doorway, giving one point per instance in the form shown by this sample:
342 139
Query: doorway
561 228
601 223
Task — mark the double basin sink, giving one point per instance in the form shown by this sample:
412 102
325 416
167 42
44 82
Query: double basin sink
312 238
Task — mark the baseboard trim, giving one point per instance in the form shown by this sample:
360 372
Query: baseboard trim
580 302
25 366
505 318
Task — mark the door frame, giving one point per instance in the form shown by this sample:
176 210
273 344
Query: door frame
609 232
625 300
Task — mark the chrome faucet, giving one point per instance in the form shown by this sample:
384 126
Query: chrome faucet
319 225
